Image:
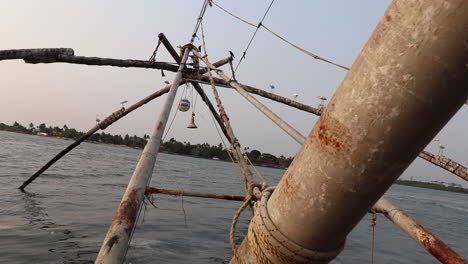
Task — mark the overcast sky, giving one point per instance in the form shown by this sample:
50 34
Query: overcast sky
59 94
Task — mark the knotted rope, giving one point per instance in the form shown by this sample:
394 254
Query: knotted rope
268 244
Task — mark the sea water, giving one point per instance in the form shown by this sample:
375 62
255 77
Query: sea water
64 215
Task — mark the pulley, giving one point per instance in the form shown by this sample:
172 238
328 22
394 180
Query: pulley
184 105
192 122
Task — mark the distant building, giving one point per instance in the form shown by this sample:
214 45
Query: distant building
42 134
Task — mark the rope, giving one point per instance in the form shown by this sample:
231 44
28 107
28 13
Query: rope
253 36
269 245
235 219
255 169
374 223
153 57
199 20
282 38
248 178
172 121
305 51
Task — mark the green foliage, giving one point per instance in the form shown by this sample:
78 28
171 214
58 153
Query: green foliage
204 150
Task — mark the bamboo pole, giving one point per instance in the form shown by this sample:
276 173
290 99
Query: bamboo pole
151 190
275 118
431 243
393 101
115 245
101 125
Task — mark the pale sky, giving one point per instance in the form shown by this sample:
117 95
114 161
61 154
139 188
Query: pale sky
59 94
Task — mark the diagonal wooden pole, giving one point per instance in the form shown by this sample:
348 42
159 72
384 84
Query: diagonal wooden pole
101 125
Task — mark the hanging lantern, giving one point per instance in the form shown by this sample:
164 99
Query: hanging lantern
184 105
192 122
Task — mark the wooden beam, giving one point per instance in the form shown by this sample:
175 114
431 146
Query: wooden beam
151 190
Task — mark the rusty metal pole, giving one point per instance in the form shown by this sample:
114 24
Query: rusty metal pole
431 243
406 84
115 245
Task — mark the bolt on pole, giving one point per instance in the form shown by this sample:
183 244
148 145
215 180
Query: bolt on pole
406 84
117 240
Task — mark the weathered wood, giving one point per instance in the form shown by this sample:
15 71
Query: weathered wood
446 163
101 125
97 61
15 54
280 99
151 190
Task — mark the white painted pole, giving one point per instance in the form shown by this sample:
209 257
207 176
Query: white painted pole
115 245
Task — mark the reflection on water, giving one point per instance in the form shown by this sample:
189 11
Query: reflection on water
64 215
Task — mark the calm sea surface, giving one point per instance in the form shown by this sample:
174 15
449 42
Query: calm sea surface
64 215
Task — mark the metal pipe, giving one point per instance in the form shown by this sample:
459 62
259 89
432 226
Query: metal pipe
406 84
276 119
115 245
151 190
431 243
102 125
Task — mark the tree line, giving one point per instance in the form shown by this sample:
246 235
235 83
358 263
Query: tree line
171 146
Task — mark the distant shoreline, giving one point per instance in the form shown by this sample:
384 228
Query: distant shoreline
426 185
430 185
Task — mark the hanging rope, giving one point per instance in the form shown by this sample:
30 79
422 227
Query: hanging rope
247 176
232 232
255 169
153 57
373 224
282 38
253 36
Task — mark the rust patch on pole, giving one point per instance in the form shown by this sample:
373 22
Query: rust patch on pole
436 247
127 212
331 134
429 241
159 125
